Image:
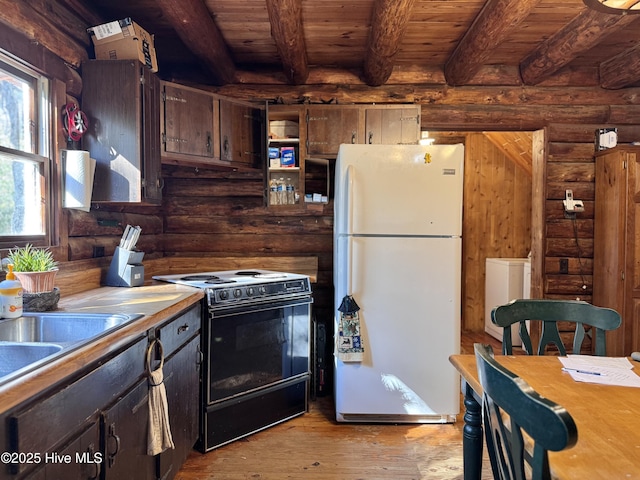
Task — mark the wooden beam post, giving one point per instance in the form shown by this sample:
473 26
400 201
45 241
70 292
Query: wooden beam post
193 24
495 22
585 31
388 24
287 31
622 70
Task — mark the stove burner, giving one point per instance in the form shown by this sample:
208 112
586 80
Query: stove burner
256 274
199 278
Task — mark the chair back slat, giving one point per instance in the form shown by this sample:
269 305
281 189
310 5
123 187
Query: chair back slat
550 313
547 424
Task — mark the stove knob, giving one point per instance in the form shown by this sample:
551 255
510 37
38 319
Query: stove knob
224 294
237 293
262 289
250 291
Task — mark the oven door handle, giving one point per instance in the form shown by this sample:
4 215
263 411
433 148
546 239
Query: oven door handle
248 307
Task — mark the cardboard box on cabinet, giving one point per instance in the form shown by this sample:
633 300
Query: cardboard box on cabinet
124 40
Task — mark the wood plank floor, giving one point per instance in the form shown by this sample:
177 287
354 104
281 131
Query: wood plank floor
315 447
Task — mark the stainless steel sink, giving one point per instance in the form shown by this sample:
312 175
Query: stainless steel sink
60 327
30 341
14 356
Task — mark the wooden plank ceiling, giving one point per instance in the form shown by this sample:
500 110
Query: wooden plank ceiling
376 42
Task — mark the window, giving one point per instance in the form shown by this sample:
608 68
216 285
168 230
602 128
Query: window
24 154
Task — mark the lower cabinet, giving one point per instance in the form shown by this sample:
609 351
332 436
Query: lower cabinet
96 426
124 428
182 379
81 459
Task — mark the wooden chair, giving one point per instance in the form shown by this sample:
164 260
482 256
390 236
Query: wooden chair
511 406
550 312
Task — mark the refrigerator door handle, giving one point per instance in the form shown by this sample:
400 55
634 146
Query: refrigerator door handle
350 181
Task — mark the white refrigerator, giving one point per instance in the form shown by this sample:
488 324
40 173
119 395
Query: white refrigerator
397 252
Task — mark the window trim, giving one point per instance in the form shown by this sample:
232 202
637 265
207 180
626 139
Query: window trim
48 90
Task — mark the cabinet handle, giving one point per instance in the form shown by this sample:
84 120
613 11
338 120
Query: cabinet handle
209 142
92 451
112 434
183 328
353 136
370 137
159 183
199 357
225 148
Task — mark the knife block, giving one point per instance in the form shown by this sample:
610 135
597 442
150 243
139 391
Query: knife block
126 269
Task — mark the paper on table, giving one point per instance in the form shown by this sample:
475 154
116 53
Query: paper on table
616 371
581 361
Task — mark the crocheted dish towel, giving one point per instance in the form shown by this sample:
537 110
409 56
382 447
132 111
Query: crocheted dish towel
349 346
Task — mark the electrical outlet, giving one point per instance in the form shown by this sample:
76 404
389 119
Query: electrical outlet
564 265
98 251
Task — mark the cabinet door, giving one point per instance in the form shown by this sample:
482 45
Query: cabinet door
611 230
151 162
241 133
81 460
121 99
188 122
125 436
328 127
392 126
182 381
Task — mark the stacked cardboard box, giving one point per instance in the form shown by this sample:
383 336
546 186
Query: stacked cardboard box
123 40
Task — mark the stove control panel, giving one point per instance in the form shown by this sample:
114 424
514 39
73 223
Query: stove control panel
272 290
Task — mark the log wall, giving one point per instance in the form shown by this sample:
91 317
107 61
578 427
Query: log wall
221 214
228 216
563 248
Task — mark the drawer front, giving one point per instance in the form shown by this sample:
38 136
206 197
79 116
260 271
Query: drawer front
180 330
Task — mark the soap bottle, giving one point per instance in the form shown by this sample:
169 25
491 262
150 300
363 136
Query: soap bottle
11 295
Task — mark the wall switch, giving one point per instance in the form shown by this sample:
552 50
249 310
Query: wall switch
564 265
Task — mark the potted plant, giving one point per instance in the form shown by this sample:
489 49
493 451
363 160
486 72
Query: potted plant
35 269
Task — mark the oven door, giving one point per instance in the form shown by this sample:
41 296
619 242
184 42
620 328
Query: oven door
250 347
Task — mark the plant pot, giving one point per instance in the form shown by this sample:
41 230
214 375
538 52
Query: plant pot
37 282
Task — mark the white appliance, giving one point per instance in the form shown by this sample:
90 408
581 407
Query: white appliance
504 281
526 279
397 252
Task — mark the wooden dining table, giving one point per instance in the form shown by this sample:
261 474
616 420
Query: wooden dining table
607 418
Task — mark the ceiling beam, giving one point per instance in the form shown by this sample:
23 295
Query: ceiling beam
585 31
287 31
495 22
388 24
42 30
623 70
193 24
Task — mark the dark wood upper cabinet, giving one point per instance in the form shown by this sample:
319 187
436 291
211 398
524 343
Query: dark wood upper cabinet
121 99
242 129
392 125
189 123
329 126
